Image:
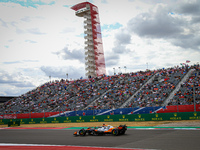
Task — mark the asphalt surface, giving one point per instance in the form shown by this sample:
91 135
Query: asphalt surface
146 139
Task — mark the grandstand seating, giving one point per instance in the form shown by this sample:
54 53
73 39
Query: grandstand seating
185 95
154 93
109 92
120 92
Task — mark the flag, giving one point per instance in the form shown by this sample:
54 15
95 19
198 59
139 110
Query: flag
187 61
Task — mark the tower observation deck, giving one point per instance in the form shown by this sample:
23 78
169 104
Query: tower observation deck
94 54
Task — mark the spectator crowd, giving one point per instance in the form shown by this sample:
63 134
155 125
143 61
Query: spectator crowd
107 92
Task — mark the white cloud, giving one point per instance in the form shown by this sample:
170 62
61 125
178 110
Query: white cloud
136 32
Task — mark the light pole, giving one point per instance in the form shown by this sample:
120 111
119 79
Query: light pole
114 70
125 68
147 65
67 76
50 78
119 71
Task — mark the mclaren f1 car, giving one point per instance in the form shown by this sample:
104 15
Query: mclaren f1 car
102 130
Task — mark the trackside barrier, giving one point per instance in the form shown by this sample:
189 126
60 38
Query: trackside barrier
109 118
14 123
119 111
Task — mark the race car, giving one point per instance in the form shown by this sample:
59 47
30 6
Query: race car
102 130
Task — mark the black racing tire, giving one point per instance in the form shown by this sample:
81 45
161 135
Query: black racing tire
82 132
115 132
122 132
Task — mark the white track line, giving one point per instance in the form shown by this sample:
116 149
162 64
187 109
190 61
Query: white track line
12 144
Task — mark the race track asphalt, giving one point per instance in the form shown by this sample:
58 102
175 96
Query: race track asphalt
146 139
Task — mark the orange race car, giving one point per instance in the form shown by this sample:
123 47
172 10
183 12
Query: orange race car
102 130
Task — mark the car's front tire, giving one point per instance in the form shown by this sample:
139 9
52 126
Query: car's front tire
82 132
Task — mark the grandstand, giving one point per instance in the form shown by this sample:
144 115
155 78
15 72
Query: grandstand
151 88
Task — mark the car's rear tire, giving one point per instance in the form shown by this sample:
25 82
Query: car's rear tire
115 132
123 132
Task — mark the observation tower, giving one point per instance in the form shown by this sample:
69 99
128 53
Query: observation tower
94 54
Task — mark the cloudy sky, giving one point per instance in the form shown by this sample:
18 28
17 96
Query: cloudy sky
42 38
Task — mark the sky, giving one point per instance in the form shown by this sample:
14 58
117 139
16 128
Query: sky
43 40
